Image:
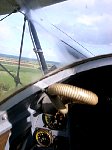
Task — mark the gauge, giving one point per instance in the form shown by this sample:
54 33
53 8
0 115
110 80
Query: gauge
54 122
43 138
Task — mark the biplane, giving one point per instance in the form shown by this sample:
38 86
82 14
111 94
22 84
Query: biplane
49 103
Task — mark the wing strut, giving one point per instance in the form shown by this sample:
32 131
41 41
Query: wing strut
37 47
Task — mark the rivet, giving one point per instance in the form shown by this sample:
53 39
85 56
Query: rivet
4 117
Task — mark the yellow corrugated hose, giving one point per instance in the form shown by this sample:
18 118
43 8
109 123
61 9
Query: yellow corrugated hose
73 93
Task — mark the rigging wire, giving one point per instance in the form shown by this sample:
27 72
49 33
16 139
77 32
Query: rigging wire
14 11
6 16
21 47
72 38
73 48
14 77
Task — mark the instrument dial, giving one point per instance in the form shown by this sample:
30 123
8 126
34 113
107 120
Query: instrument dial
43 138
54 122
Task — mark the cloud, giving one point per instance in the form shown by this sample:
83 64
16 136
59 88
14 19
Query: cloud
88 20
5 31
84 20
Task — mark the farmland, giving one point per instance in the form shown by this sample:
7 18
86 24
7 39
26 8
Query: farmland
29 72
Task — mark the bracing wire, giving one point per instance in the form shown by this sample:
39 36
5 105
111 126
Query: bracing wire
72 38
73 48
14 11
6 16
21 47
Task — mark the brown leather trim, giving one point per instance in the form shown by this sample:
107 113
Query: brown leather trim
3 140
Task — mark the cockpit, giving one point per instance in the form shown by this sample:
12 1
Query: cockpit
55 75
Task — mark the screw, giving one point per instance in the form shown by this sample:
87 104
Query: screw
4 117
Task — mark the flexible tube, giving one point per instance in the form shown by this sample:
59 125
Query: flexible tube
76 94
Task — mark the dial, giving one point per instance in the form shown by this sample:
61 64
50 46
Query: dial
43 138
54 122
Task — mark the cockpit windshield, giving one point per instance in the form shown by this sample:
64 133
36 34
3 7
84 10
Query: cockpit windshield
35 42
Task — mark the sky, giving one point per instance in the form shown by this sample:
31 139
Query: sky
84 24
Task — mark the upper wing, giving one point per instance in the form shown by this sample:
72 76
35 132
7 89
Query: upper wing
7 6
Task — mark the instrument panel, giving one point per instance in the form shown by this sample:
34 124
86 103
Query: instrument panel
50 131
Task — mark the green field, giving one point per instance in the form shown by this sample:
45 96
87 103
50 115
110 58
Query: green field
7 83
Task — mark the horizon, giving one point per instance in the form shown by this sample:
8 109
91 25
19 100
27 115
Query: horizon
34 59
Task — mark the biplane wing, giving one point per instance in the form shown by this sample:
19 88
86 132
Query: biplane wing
8 6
